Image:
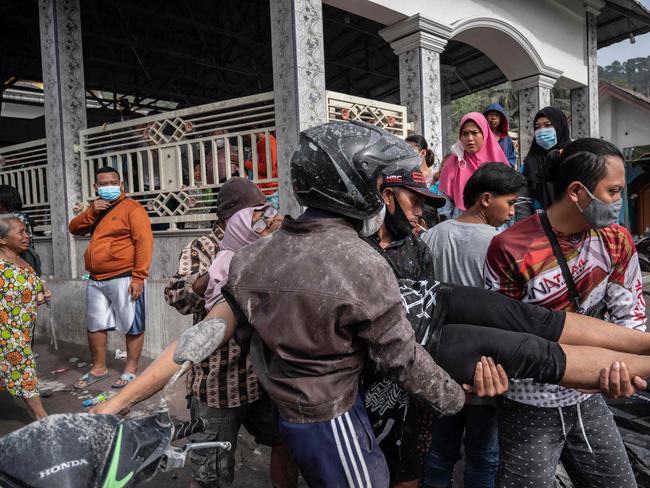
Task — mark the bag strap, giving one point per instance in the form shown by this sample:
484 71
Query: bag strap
574 294
103 214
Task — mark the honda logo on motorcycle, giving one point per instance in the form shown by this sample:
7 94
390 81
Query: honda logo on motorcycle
60 467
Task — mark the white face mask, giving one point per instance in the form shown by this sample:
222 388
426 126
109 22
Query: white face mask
220 143
372 224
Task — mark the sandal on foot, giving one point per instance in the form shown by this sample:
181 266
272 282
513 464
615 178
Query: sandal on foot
125 379
89 379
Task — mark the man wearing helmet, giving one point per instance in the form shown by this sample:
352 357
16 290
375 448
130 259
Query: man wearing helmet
317 315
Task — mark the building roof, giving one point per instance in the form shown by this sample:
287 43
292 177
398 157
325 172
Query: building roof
620 18
167 51
606 88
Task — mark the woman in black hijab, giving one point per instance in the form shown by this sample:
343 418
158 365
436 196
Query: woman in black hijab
551 132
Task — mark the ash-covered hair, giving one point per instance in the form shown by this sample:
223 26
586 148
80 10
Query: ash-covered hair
5 219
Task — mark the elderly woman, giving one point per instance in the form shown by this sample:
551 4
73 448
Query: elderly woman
11 202
21 290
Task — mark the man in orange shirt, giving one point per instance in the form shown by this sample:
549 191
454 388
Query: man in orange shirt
117 258
262 171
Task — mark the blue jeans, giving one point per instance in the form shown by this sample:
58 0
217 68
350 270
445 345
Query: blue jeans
479 423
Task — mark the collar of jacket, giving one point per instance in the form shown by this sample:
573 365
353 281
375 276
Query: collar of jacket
393 244
308 225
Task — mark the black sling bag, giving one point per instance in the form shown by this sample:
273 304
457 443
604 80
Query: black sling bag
103 214
600 309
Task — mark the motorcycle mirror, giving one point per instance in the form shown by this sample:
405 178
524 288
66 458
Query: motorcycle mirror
199 341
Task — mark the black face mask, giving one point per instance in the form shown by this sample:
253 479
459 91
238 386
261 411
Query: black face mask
396 223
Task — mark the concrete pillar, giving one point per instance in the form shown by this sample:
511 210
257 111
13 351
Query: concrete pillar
418 42
298 81
584 100
534 93
65 115
449 133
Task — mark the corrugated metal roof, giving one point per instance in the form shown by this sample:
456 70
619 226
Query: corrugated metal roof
619 19
636 98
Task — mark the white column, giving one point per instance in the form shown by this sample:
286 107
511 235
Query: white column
418 42
65 115
449 133
298 81
534 93
584 100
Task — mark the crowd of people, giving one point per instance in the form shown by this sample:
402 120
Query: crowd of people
412 310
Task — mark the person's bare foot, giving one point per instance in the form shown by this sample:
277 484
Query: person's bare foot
36 406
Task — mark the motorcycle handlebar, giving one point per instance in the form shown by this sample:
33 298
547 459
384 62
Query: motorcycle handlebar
190 427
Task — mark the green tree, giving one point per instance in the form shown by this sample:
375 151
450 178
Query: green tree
633 73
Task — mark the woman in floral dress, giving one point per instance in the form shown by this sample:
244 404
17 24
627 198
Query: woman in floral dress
21 290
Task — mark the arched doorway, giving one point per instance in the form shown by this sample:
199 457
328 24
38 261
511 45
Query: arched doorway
508 55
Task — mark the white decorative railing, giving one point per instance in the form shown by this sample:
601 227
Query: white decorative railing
24 166
174 163
385 115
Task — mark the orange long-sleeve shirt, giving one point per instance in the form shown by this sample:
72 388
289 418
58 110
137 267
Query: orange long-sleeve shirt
121 243
262 170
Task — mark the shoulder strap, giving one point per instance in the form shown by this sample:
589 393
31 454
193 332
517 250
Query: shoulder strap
103 214
574 294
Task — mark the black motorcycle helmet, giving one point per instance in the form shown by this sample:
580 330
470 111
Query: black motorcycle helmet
336 167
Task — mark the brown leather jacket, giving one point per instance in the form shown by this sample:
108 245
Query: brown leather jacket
320 299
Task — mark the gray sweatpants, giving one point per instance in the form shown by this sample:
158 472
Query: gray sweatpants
532 440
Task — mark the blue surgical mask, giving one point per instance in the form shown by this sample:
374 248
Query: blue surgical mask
546 137
109 193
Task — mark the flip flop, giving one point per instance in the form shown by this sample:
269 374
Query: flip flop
125 379
89 379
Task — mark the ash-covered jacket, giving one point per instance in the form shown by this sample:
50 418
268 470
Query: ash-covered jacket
320 299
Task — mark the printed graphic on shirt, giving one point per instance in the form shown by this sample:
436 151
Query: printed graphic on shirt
604 265
419 300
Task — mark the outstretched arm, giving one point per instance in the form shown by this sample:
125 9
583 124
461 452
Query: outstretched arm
155 377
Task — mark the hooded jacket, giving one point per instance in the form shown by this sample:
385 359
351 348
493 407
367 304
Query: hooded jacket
505 141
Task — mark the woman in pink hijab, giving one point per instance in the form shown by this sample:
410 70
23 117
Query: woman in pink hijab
476 145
